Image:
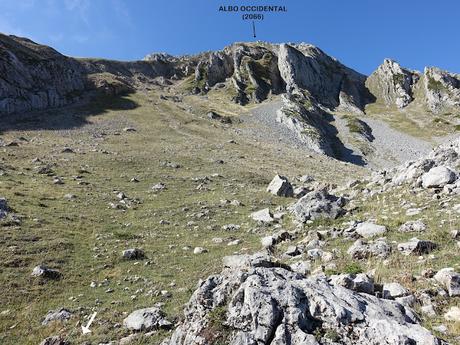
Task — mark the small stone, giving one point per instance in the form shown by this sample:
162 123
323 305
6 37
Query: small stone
45 272
199 250
133 254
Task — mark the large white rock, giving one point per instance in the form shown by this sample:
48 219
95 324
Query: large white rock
438 177
280 186
263 216
368 229
146 320
450 280
394 290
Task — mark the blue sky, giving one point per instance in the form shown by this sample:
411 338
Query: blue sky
360 33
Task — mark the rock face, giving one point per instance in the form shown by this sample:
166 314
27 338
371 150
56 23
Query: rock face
37 77
258 302
392 84
318 204
442 89
329 83
308 122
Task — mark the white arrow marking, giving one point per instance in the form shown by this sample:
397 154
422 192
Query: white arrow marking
86 329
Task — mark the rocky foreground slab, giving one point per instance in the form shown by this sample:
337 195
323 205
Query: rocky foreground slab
256 300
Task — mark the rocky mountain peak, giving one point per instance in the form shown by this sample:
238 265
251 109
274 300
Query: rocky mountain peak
392 84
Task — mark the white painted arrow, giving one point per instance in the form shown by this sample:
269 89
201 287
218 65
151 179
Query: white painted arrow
86 329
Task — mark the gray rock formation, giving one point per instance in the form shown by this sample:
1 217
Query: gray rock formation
36 77
329 83
318 204
307 121
442 89
257 301
55 340
392 84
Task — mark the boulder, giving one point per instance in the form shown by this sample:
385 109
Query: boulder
147 319
263 216
318 204
394 290
280 186
412 226
45 272
61 314
438 177
133 254
270 304
368 229
361 249
416 247
450 280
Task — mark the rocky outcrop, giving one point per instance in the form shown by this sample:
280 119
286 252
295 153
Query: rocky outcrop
392 84
329 83
318 204
258 301
436 171
435 89
34 76
442 89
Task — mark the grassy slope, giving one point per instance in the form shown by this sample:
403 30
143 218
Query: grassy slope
83 238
